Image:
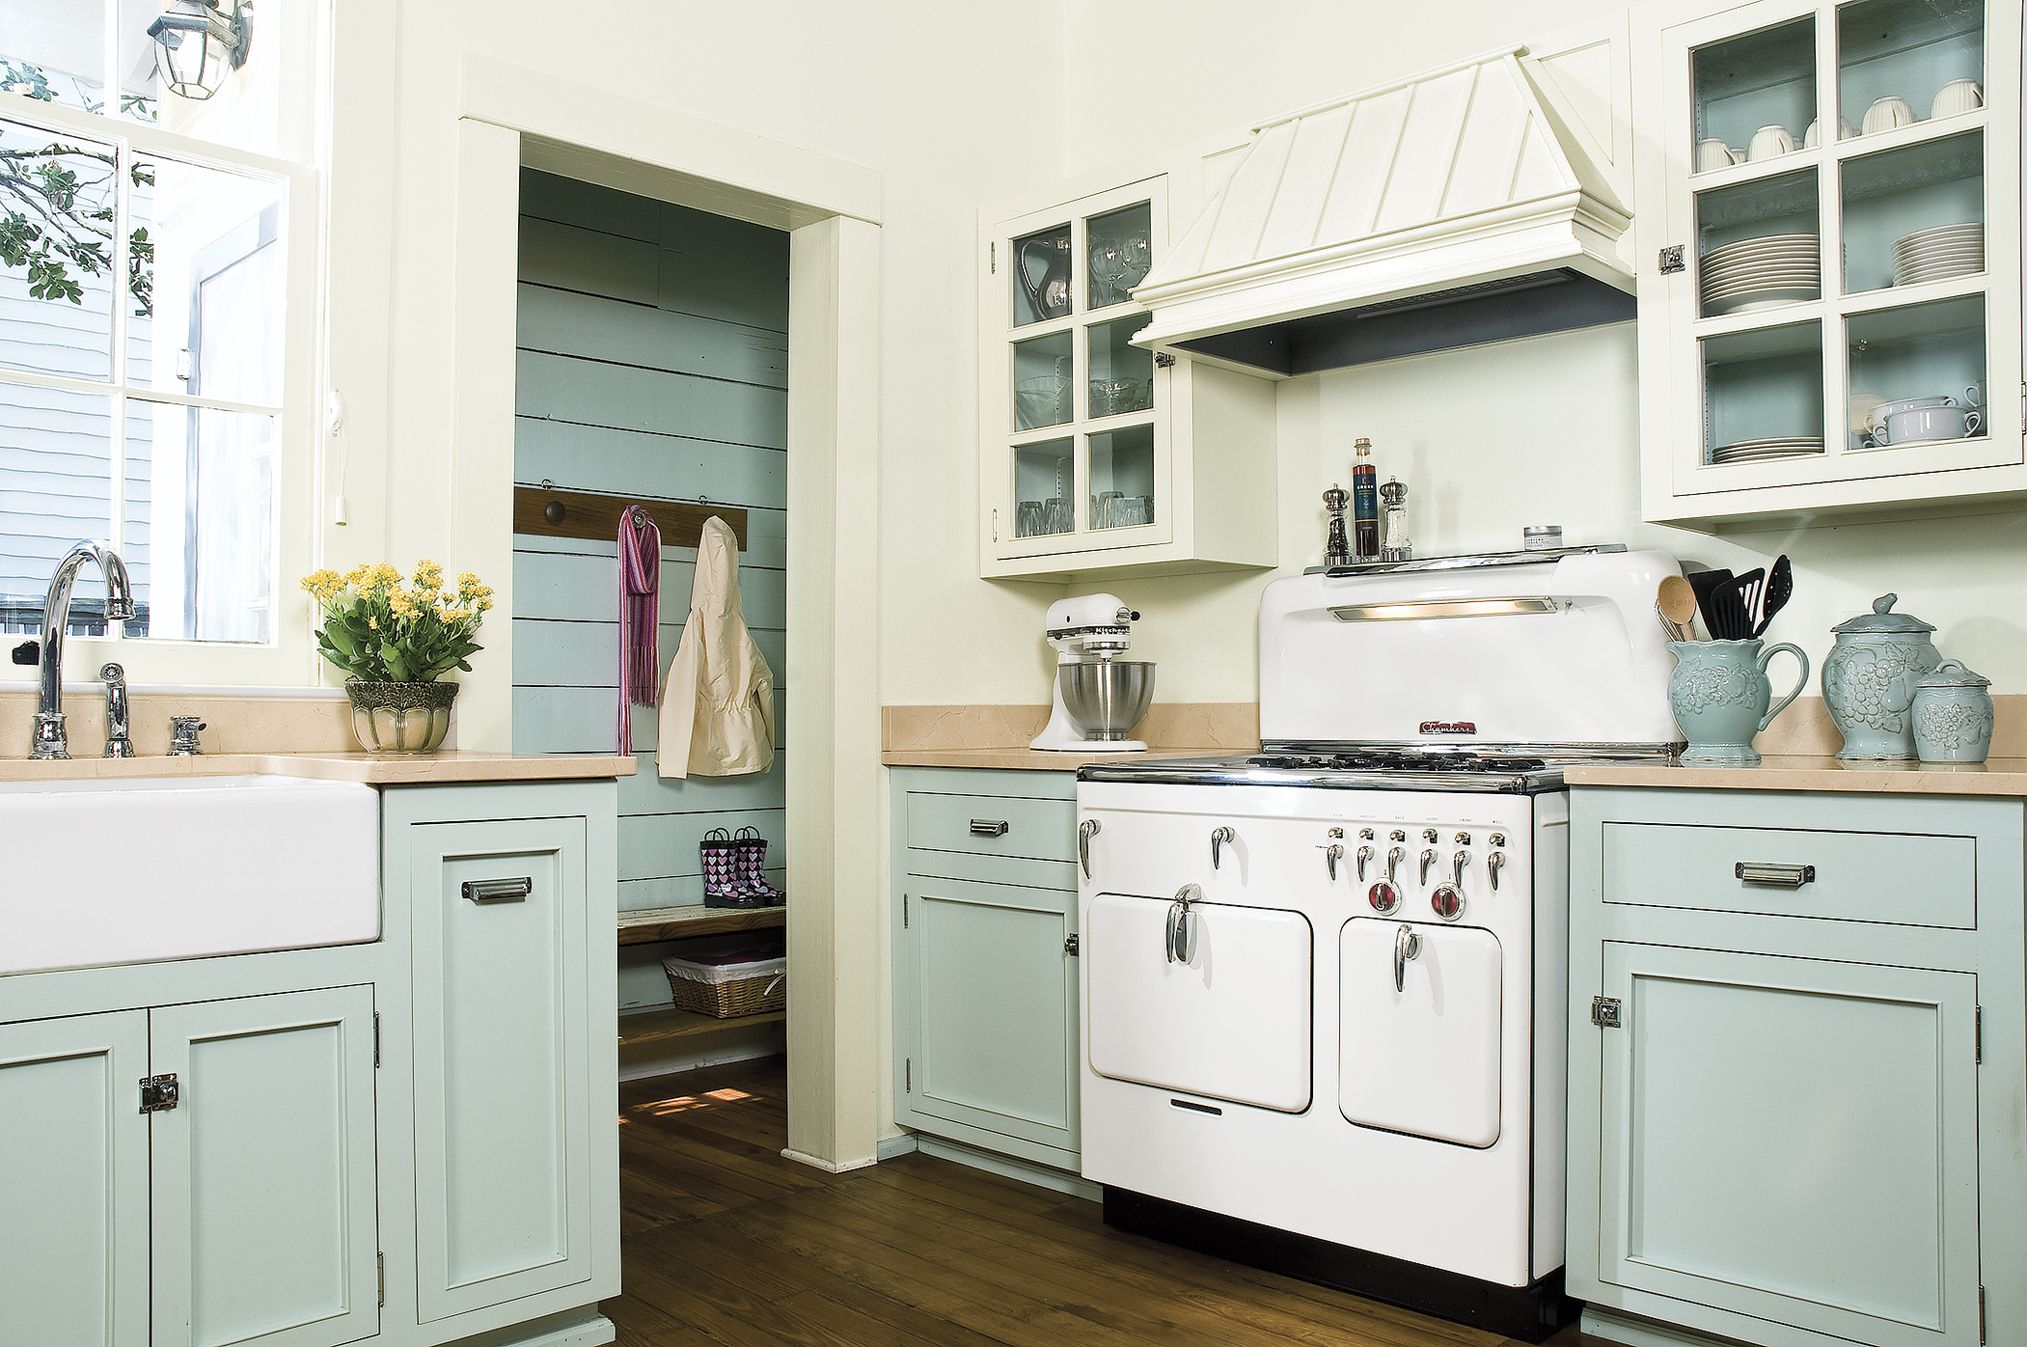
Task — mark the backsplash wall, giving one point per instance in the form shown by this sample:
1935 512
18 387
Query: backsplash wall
1545 431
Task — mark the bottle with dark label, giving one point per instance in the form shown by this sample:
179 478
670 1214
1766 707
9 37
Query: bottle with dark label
1364 502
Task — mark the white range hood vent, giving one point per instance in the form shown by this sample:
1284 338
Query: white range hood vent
1476 203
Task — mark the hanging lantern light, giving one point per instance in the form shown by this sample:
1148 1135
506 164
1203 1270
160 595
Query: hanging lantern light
197 46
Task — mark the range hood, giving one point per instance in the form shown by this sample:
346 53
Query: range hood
1479 202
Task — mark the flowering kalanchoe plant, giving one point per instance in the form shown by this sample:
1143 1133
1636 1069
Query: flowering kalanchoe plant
380 629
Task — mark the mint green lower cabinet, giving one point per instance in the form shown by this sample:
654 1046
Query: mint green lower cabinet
263 1174
74 1182
985 969
1796 1078
502 1083
1795 1140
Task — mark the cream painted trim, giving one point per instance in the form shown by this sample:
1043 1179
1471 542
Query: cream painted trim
836 928
818 1162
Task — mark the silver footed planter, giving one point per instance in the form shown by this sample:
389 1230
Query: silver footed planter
1722 698
1870 677
400 717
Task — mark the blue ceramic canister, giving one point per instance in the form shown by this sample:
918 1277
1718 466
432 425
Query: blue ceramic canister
1869 678
1952 714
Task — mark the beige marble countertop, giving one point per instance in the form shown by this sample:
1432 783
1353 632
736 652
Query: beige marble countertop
1032 760
433 769
1816 772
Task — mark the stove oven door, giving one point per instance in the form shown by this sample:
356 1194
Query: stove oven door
1418 1045
1227 1016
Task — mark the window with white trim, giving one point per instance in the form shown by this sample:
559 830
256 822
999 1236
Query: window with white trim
158 297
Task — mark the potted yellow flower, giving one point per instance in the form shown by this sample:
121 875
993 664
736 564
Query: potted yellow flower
394 641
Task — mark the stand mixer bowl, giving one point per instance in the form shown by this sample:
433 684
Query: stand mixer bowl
1106 698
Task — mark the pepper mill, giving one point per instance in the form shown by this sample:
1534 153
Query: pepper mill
1337 547
1394 501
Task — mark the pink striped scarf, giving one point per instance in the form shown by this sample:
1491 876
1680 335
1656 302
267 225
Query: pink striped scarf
640 572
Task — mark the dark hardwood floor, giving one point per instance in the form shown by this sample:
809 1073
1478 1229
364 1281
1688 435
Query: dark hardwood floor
726 1244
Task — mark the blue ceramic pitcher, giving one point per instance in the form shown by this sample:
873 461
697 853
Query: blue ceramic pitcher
1720 695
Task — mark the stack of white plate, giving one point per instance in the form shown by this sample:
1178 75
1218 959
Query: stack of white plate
1758 273
1939 254
1779 446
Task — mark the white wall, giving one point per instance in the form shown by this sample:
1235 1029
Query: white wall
931 95
1490 440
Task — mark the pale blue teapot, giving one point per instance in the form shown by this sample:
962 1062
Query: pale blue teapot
1721 697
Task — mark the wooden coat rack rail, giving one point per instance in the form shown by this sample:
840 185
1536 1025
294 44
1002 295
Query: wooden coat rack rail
547 512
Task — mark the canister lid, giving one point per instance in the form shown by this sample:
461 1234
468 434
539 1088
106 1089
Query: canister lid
1953 673
1882 618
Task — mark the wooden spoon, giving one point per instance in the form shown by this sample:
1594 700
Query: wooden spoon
1676 602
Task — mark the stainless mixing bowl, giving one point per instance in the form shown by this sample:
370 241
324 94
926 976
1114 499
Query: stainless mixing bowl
1106 698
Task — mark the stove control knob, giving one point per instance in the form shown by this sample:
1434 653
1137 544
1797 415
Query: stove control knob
1398 835
1365 834
1332 854
1428 859
1463 839
1493 864
1384 897
1428 834
1364 857
1395 856
1448 902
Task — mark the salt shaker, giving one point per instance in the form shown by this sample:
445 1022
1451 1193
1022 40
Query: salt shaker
1394 501
1336 547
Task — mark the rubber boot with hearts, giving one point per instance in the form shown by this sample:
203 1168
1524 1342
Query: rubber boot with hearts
752 849
720 857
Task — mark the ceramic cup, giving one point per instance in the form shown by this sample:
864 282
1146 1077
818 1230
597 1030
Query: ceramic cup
1887 113
1845 130
1713 154
1913 424
1771 142
1721 697
1957 96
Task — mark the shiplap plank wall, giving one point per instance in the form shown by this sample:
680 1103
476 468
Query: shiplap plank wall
653 362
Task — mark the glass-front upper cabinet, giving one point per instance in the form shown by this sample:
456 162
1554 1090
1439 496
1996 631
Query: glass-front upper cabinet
1830 257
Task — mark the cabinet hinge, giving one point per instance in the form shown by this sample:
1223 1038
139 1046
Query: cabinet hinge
993 256
904 911
908 1076
1070 947
1978 1034
1164 360
376 1040
1605 1012
159 1094
1981 1313
380 1275
1671 260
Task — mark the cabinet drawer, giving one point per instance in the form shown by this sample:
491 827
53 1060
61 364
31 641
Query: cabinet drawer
993 825
1893 878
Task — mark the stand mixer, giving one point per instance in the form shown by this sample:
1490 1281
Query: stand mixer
1099 697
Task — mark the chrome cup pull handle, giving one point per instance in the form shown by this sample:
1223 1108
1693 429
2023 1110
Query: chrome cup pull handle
988 827
1086 830
1768 875
1407 944
483 891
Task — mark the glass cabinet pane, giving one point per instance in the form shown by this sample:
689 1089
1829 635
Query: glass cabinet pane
1044 478
1757 245
1918 373
1122 374
1122 477
1754 96
1043 370
1118 242
1905 61
1040 271
1763 394
1915 215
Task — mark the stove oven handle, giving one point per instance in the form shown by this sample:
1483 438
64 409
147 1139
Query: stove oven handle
1179 940
1220 837
1407 944
1086 830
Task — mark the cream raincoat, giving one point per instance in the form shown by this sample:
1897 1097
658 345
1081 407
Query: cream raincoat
717 715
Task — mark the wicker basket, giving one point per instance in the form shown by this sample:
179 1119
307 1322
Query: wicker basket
738 982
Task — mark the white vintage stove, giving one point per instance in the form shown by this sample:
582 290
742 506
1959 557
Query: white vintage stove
1323 985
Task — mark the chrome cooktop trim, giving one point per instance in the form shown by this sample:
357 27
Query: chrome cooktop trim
1465 562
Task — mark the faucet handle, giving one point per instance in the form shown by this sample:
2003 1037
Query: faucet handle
119 744
183 740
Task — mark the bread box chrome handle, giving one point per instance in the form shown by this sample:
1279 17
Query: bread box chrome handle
484 891
1768 875
988 827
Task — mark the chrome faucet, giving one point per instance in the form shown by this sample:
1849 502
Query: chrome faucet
119 742
50 740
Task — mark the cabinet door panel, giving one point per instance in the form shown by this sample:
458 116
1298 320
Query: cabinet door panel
1794 1140
501 1062
74 1154
990 1008
264 1218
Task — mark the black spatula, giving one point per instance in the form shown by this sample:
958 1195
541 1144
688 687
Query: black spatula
1706 585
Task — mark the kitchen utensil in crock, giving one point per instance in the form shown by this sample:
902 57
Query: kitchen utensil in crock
1704 585
1780 588
1676 602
